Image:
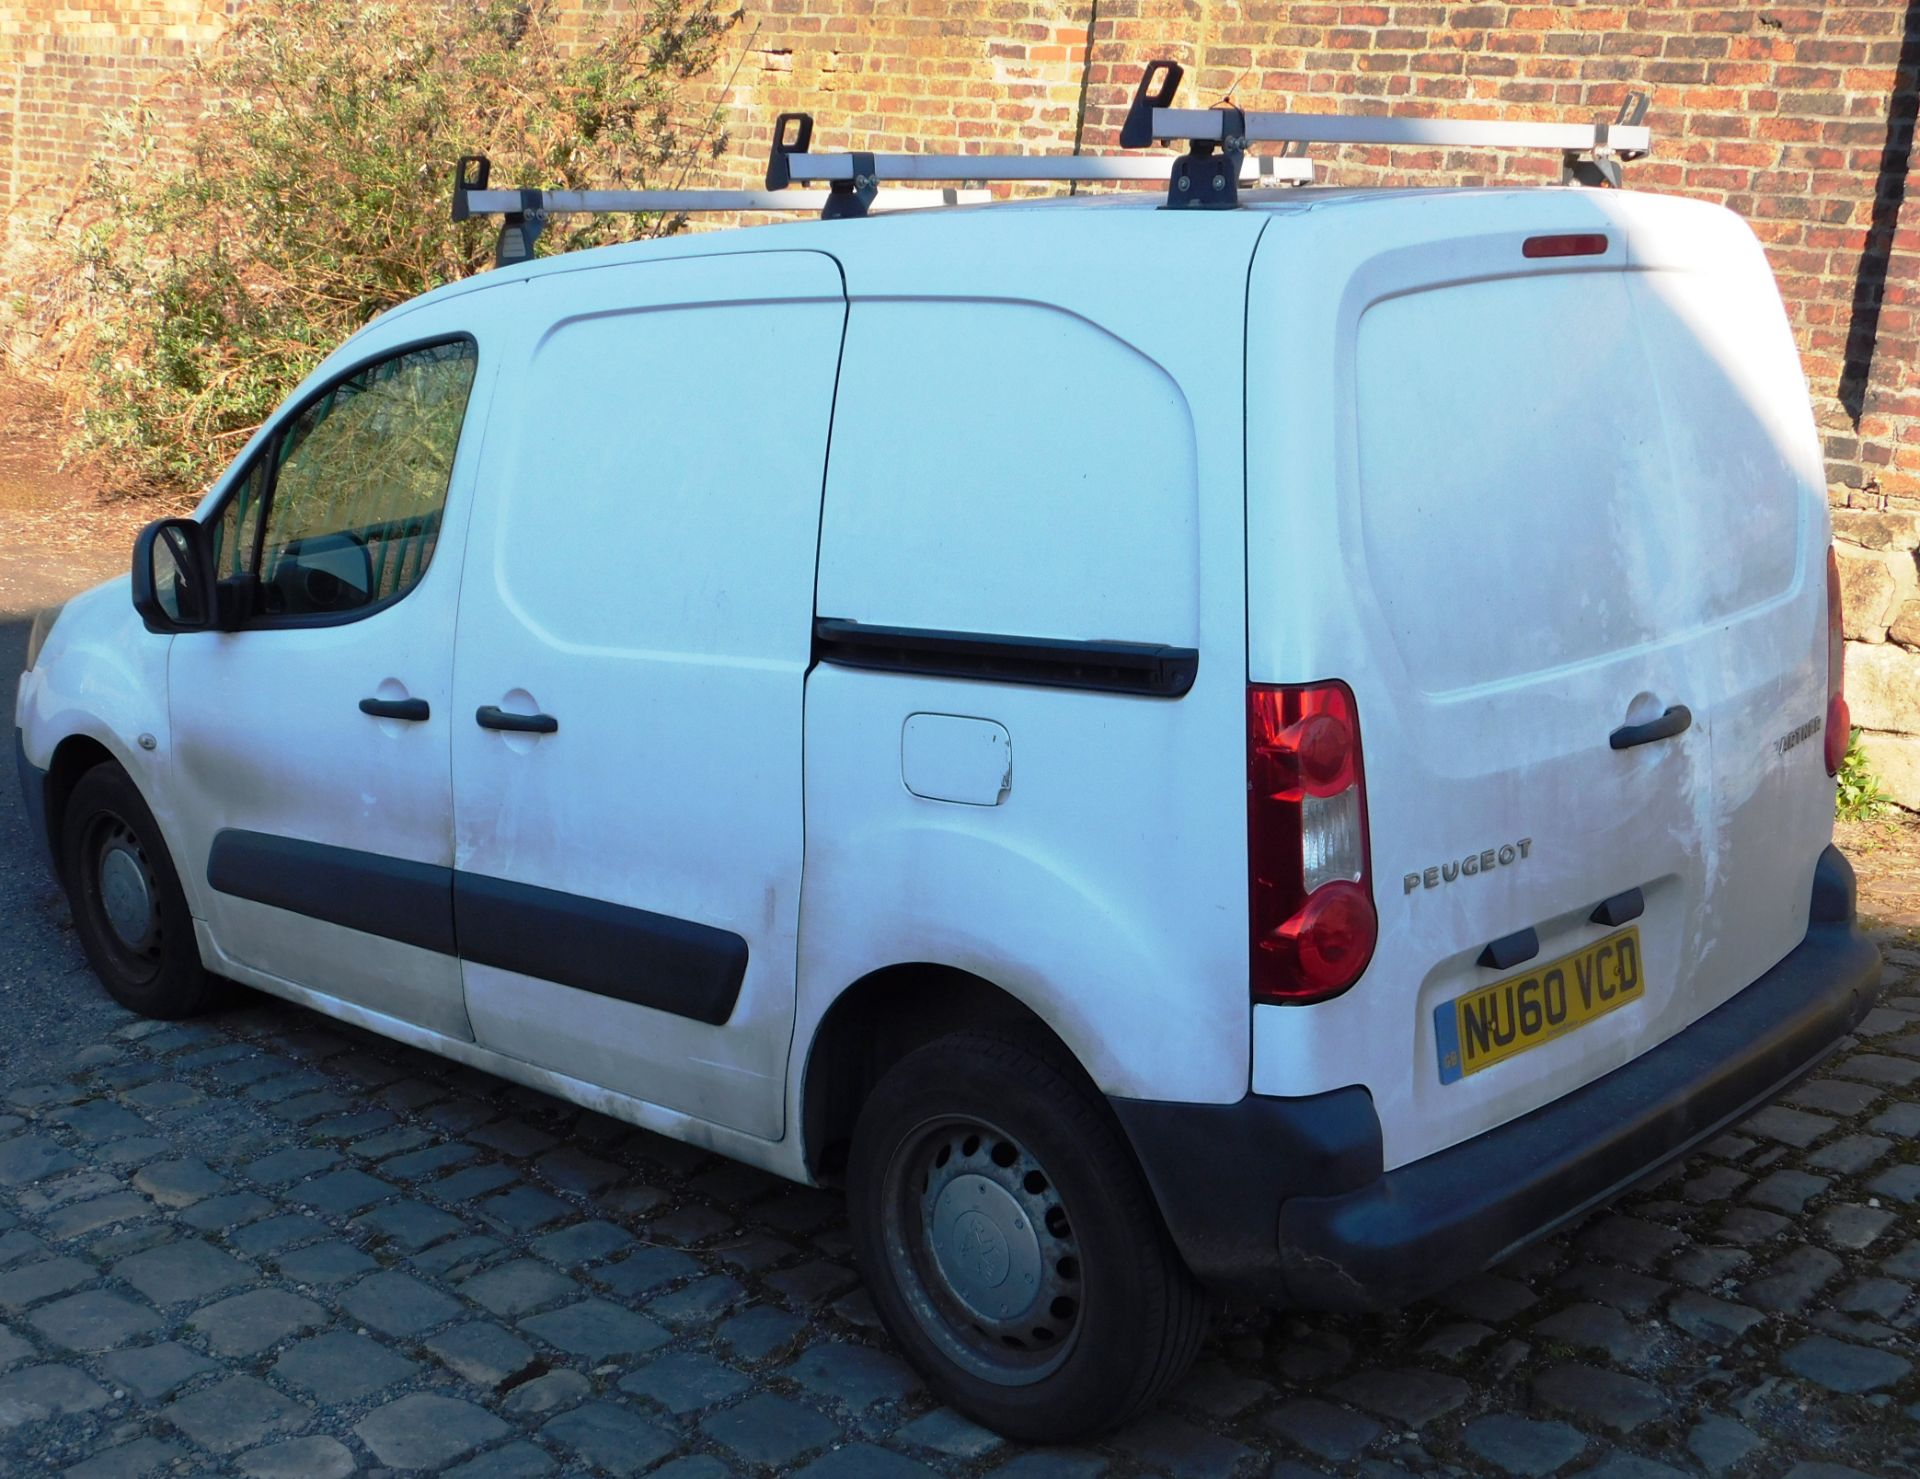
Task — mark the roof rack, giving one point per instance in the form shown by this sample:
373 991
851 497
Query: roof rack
1207 177
1590 153
853 182
525 212
853 179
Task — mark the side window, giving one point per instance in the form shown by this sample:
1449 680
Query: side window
352 491
239 523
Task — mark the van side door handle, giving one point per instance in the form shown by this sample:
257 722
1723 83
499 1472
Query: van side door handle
412 709
488 716
1675 721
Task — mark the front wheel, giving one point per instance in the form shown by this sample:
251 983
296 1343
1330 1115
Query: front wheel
128 907
1012 1246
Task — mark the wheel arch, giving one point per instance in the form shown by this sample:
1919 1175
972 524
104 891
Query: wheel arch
72 758
879 1019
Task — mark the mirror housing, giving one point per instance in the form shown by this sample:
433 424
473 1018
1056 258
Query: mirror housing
173 588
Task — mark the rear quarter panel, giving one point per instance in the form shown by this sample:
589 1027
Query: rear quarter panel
1049 446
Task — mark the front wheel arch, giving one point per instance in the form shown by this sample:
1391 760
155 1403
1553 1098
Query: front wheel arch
72 758
130 912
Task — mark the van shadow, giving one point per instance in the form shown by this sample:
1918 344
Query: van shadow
1890 192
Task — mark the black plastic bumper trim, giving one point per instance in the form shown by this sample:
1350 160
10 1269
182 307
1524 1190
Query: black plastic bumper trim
1236 1183
1141 668
33 796
1222 1172
1426 1225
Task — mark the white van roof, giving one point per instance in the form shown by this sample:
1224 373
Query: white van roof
981 247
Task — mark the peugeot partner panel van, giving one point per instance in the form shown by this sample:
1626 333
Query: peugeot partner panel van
1286 750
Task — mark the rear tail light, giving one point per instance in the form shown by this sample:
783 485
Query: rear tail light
1839 719
1310 913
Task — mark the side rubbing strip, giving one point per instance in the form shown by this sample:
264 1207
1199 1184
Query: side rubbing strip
389 897
1142 668
652 960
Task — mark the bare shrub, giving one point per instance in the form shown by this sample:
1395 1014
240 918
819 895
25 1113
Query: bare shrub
317 190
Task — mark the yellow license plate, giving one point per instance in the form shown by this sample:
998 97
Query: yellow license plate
1495 1022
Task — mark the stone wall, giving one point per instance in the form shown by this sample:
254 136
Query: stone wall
1880 595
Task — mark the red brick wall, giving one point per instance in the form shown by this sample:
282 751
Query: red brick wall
1799 117
66 69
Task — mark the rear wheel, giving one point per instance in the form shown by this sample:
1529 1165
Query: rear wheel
1011 1244
128 907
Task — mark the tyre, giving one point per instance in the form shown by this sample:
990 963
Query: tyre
1010 1242
128 906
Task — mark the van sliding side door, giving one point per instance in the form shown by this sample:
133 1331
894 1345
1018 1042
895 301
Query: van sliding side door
634 633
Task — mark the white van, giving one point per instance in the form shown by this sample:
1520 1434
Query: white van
1283 749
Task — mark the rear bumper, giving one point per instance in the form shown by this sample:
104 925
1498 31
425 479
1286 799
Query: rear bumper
1329 1229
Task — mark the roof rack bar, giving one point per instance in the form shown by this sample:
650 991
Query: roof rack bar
1590 153
853 177
524 213
1321 128
985 167
612 202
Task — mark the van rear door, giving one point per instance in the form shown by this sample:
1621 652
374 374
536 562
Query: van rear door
1535 473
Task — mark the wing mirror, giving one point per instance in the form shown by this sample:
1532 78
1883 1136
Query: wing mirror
173 586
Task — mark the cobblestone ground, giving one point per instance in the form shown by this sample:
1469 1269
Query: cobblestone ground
265 1244
268 1245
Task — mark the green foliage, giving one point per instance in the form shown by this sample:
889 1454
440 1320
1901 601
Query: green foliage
317 195
1860 798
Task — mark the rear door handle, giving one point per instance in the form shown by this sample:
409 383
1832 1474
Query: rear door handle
413 709
1674 721
487 716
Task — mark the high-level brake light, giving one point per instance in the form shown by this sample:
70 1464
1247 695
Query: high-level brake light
1569 244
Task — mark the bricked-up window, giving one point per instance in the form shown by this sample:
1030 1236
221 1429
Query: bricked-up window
358 482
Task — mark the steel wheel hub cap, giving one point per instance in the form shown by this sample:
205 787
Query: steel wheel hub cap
985 1245
992 1264
126 895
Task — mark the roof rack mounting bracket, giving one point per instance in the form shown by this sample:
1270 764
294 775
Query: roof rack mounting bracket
1158 84
1206 180
848 199
470 172
521 223
1600 167
520 229
792 134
